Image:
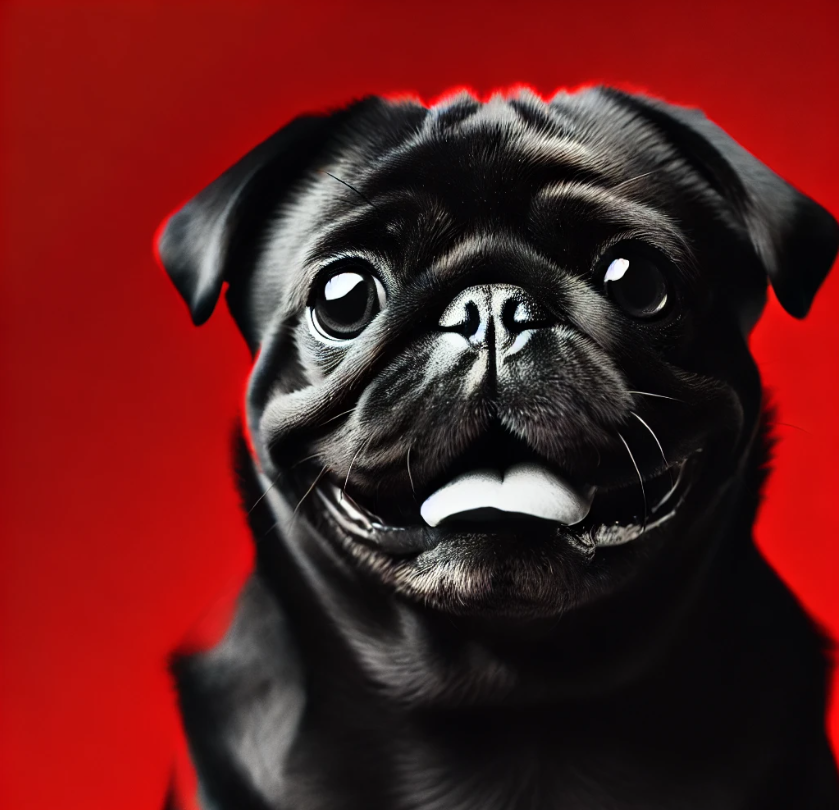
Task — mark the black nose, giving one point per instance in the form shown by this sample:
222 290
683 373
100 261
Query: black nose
493 315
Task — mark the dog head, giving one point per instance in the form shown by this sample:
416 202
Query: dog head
501 359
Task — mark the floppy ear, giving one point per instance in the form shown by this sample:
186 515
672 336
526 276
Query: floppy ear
210 240
794 237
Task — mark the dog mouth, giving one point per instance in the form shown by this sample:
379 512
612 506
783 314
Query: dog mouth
514 492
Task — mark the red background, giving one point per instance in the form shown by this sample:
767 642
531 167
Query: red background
120 528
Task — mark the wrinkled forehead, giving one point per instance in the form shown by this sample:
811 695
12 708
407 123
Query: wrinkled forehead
518 167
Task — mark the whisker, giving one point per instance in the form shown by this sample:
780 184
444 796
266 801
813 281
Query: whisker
270 487
794 427
304 460
657 396
308 491
410 477
633 179
271 529
351 188
660 448
338 416
349 469
640 480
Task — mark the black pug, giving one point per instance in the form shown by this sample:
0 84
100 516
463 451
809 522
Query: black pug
506 447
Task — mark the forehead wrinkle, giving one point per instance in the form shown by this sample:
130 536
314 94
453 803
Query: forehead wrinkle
398 213
541 149
515 139
338 224
640 220
475 246
521 144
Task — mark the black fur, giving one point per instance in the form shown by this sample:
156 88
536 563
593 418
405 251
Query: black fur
511 665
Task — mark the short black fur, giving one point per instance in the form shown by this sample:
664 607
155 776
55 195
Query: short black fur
658 662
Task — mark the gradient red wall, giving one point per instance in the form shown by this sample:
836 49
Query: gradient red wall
120 527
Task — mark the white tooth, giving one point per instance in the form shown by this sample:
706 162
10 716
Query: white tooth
527 489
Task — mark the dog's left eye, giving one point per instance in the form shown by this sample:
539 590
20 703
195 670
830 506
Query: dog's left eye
345 303
637 286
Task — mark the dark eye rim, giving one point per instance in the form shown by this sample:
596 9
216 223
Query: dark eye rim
629 249
350 264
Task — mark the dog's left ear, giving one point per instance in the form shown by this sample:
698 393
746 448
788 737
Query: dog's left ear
794 237
211 239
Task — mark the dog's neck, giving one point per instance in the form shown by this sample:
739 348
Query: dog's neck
386 695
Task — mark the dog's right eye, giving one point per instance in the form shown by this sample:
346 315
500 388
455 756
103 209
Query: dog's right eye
345 303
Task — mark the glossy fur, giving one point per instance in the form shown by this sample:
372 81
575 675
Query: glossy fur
466 667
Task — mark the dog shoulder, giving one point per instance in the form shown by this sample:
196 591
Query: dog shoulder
241 701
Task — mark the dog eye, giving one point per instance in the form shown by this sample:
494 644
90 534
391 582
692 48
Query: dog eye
637 286
346 302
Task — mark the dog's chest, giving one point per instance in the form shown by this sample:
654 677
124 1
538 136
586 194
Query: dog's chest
340 749
495 766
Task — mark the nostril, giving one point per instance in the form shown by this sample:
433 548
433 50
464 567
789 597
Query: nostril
473 319
467 324
519 314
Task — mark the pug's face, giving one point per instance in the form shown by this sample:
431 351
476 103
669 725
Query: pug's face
502 362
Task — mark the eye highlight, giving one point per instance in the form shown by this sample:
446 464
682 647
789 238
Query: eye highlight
345 302
637 285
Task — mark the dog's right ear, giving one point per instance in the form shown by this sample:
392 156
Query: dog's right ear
211 239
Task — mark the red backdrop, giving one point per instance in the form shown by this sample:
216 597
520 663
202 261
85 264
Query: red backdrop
120 527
